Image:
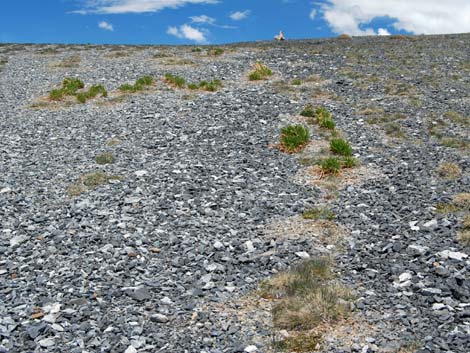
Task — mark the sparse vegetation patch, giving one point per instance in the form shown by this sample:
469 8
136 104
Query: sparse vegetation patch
139 85
174 80
90 181
259 72
304 298
71 87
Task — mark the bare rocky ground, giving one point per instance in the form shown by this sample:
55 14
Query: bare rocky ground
168 257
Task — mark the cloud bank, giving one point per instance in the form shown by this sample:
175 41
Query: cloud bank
414 16
135 6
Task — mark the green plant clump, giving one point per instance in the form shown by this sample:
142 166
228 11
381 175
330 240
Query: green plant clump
174 80
319 214
330 165
306 296
341 147
139 85
215 51
92 92
308 111
259 72
105 158
294 138
70 87
296 82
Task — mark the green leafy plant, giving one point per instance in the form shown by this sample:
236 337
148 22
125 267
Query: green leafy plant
341 147
259 72
294 138
296 82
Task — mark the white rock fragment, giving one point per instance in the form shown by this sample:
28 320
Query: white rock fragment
218 245
454 255
5 190
57 327
413 225
250 349
249 246
18 240
432 223
418 249
130 349
141 173
438 306
405 276
46 342
302 254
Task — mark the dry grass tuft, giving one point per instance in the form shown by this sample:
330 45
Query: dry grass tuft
306 296
449 170
90 181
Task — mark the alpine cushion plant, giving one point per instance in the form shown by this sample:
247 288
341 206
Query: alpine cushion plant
294 138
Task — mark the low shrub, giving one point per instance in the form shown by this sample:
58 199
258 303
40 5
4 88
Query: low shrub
328 124
70 87
296 82
294 138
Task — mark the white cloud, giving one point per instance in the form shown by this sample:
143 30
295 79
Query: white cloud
187 32
416 16
383 32
106 26
135 6
203 19
312 14
240 15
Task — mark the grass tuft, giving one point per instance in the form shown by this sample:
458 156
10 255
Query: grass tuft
174 80
306 296
296 82
319 214
139 85
90 181
449 170
105 158
259 72
294 138
341 147
330 165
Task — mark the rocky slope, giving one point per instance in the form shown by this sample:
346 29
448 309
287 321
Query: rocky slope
163 258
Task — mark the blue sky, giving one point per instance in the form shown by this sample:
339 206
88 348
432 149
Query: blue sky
221 21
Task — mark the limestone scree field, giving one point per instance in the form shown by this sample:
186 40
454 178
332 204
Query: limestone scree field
296 196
